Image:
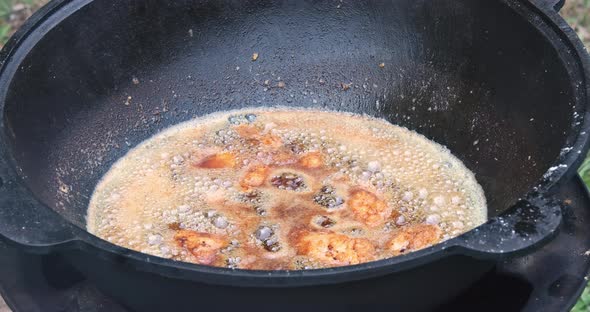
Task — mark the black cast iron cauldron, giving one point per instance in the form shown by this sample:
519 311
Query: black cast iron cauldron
503 83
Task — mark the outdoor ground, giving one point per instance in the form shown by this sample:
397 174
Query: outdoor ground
577 12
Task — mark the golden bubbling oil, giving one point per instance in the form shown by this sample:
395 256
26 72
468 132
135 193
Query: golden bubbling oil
285 189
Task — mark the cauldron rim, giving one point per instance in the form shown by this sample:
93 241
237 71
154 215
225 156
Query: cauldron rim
546 19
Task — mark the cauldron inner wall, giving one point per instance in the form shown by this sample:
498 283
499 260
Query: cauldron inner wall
495 93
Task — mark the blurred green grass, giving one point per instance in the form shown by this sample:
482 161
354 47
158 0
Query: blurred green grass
576 13
583 304
13 13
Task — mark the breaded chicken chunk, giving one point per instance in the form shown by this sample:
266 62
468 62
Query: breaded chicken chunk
257 136
216 161
368 208
334 249
414 237
254 177
203 246
311 160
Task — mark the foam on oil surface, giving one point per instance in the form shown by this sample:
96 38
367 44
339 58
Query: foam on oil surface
159 189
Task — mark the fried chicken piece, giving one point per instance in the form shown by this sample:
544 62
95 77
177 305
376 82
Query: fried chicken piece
311 160
217 161
271 140
414 237
367 207
254 177
278 154
255 135
334 249
203 246
247 131
283 156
